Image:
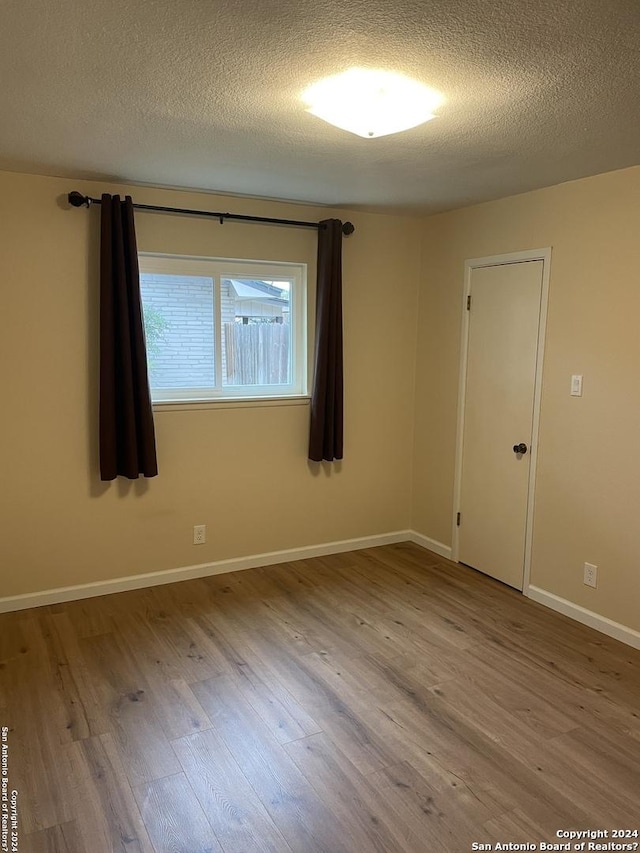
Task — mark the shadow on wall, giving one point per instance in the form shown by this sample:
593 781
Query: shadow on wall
329 469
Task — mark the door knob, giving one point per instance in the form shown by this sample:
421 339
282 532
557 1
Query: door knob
520 448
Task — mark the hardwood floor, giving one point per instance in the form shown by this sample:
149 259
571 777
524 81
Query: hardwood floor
381 700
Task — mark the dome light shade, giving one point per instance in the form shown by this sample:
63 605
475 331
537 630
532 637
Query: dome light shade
371 103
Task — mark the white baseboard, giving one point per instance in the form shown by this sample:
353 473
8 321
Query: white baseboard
106 587
587 617
91 590
430 544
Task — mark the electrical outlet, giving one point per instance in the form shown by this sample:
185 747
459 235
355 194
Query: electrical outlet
199 534
590 574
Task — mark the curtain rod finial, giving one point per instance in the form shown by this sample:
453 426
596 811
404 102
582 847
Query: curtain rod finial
76 199
348 228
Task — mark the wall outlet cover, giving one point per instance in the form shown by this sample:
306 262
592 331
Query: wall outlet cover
590 574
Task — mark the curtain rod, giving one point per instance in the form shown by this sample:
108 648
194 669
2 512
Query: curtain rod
76 199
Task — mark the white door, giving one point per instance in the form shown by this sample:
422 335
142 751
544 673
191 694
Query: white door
504 318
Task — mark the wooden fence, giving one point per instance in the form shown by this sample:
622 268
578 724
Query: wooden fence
257 354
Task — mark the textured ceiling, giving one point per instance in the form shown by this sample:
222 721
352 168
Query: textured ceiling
205 93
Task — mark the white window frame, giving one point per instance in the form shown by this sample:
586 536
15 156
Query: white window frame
217 269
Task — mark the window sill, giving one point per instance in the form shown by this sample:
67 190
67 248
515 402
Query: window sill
229 403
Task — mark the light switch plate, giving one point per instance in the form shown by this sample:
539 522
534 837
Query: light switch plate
576 386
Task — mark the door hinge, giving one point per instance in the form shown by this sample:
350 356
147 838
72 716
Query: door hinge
458 520
469 302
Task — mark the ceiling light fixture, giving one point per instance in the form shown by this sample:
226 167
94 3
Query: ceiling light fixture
371 102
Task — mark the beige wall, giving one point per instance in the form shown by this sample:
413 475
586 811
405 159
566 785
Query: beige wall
241 471
588 495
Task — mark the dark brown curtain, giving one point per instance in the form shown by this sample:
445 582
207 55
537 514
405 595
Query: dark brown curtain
127 439
326 434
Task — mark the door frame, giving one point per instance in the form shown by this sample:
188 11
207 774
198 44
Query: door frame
543 255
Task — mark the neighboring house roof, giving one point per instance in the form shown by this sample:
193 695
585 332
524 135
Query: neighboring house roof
262 290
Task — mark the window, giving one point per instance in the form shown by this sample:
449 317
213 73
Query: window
223 328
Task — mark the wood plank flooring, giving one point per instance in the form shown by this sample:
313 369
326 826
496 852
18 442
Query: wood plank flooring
382 700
